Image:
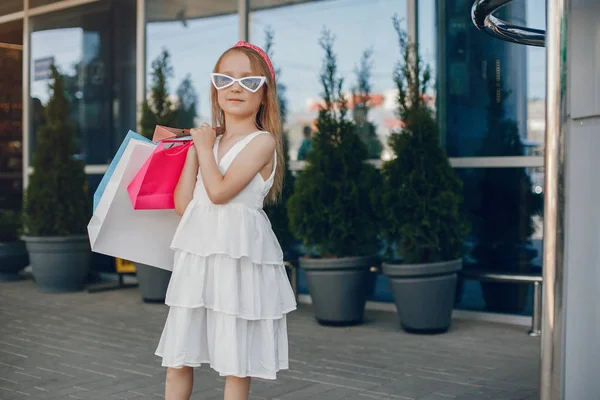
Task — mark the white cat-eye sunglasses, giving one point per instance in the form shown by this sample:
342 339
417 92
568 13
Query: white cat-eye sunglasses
250 83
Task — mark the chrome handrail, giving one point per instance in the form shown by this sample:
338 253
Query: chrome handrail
483 18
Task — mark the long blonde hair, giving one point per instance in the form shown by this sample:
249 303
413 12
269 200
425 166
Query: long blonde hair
268 117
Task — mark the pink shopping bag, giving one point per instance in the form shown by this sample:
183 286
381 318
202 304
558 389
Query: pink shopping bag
164 132
153 186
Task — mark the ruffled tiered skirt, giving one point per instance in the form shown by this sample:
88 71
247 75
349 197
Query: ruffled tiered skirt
227 308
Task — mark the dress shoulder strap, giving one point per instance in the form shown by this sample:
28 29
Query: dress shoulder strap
239 146
274 166
251 136
248 139
244 142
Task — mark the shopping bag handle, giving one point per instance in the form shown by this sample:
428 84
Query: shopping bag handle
184 132
186 141
179 149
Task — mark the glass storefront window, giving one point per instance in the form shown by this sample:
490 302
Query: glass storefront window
357 26
10 6
426 37
490 98
505 209
194 33
38 3
536 79
11 115
487 87
94 47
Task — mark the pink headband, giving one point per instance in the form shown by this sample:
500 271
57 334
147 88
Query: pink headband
260 53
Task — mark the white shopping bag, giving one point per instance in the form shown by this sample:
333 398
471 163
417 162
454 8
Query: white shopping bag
117 230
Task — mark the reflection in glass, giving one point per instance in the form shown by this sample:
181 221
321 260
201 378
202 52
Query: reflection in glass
358 27
11 6
11 112
468 61
195 34
93 46
426 36
536 80
185 11
38 3
505 210
361 102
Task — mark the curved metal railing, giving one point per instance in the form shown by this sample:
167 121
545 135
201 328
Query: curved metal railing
483 18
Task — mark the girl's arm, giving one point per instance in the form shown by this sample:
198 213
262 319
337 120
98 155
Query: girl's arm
184 191
249 162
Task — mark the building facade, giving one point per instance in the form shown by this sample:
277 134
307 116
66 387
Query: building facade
488 95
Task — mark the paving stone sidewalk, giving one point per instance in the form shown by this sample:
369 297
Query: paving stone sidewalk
100 346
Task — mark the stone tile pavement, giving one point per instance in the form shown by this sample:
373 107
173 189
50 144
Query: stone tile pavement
100 346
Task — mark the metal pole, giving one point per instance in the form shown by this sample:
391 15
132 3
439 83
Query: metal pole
140 59
243 13
552 341
412 20
536 319
26 114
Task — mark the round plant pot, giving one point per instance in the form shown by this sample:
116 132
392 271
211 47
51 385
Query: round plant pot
13 258
59 264
153 282
338 287
424 294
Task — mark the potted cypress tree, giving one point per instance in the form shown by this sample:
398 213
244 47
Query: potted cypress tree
57 205
13 253
277 212
421 199
159 110
332 210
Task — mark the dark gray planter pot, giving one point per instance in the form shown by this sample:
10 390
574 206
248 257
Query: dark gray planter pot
13 258
424 294
153 282
338 287
59 264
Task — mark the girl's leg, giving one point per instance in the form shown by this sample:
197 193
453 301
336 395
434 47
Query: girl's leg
179 383
236 388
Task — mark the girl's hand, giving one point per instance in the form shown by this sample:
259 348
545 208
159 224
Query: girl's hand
204 136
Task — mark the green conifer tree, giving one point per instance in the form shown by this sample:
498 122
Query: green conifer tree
188 102
331 209
159 109
422 195
57 202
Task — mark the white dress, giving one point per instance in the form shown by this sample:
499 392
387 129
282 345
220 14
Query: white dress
229 293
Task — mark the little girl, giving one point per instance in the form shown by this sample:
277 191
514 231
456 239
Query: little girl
229 293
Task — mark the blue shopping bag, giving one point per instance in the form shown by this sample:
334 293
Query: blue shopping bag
111 168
